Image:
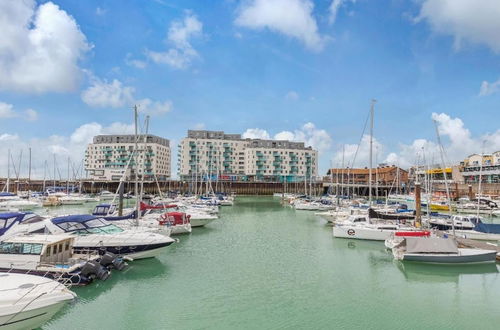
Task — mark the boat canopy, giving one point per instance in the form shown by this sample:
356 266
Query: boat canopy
7 194
80 218
9 218
430 245
490 228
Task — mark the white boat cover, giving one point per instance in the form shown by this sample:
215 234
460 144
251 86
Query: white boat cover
430 245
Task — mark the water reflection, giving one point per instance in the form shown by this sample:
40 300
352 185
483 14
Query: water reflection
422 272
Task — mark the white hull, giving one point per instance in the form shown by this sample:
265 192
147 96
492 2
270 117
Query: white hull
30 319
147 254
363 233
180 229
200 222
476 235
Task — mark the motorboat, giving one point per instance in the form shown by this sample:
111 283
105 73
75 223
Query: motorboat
51 201
28 301
95 234
440 250
52 256
19 204
72 200
460 222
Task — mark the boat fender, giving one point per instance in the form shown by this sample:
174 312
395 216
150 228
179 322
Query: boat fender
95 270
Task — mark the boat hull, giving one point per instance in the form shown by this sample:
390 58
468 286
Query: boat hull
466 256
30 319
354 232
200 222
134 252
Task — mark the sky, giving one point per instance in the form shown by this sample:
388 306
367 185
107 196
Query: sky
300 70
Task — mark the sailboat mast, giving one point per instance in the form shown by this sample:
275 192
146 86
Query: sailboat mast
480 181
445 176
371 154
136 163
54 172
29 175
67 180
8 170
145 146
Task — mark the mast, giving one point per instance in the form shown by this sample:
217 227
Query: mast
29 174
136 163
67 180
445 176
54 172
8 170
371 151
145 146
44 175
480 181
342 182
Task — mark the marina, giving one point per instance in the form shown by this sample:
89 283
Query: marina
262 265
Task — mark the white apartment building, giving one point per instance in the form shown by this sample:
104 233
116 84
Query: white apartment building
230 157
109 157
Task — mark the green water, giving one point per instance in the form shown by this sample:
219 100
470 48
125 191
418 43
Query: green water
262 266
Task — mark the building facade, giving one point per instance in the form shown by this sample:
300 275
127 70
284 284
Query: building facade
110 157
383 175
486 166
215 154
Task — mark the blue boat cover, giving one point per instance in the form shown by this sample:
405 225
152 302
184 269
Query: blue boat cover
490 228
73 218
6 194
8 215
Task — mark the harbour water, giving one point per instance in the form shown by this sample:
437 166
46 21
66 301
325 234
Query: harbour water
264 266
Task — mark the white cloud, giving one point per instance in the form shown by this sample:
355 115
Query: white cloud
334 9
7 137
40 48
6 110
134 62
102 94
355 156
72 146
293 18
199 126
31 115
292 96
182 53
474 21
488 88
108 95
319 139
100 11
457 141
150 107
256 133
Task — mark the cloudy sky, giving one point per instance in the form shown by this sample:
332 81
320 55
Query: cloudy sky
288 69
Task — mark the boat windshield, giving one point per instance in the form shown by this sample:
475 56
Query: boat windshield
96 223
20 248
70 226
108 229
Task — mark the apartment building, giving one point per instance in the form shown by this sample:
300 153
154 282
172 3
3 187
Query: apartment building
486 166
109 157
230 157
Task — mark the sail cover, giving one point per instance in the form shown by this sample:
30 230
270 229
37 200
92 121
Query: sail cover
430 245
491 228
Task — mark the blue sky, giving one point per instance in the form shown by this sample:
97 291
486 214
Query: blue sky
306 70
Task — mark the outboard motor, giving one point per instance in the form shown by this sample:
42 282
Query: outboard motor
94 269
111 260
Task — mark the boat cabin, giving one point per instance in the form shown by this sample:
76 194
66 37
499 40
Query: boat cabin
31 251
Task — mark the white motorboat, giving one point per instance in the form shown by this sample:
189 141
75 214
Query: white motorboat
440 250
463 222
28 301
72 200
51 256
96 234
20 204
